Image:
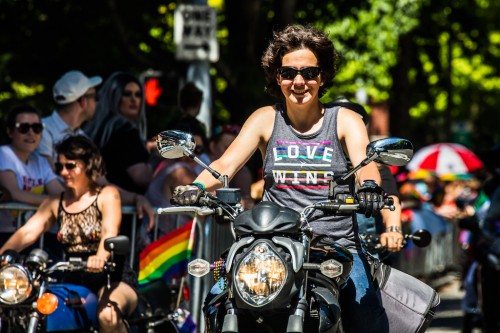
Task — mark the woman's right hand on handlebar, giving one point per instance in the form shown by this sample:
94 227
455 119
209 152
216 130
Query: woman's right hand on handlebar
95 264
392 240
186 195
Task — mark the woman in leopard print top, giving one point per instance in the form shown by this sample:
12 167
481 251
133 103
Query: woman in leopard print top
87 214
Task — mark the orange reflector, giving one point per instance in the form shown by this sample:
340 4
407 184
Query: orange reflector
47 303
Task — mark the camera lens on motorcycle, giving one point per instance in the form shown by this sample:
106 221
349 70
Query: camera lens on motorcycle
47 303
260 275
15 284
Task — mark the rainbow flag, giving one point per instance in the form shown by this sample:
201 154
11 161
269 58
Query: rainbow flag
168 256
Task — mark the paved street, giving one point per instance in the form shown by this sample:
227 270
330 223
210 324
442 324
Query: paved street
449 314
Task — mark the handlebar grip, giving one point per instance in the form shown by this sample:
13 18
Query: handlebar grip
335 206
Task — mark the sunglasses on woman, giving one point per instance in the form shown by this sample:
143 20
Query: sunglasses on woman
24 128
128 93
68 166
308 73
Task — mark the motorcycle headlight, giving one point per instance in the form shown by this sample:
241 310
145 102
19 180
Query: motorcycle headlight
15 284
260 275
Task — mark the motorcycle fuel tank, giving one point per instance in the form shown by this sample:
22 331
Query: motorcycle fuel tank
76 309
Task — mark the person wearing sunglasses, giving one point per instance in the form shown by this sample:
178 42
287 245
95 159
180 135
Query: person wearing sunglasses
119 130
86 214
75 96
25 175
303 143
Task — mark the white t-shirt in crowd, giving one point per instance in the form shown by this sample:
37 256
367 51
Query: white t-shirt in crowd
32 176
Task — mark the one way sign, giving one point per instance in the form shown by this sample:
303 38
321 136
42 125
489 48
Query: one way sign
195 33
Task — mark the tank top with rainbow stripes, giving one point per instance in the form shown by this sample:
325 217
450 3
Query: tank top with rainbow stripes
297 169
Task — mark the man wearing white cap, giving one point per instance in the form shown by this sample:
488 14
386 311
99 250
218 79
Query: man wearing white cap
76 98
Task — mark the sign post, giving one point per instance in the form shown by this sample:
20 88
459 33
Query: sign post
195 33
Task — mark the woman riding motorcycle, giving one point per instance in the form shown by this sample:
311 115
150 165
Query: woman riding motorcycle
87 214
303 143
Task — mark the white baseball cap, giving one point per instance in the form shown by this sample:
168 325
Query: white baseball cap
73 85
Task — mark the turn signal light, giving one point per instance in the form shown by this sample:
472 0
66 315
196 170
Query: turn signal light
198 267
47 303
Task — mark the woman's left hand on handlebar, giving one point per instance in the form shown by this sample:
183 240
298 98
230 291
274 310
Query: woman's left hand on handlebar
95 264
392 241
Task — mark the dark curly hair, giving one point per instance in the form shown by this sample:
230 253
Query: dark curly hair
296 37
79 147
10 119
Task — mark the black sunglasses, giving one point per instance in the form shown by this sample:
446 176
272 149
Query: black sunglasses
24 128
128 93
60 166
308 73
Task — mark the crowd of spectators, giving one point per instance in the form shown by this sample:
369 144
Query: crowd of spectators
111 113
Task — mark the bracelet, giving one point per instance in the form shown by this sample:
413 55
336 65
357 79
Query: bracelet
393 228
200 185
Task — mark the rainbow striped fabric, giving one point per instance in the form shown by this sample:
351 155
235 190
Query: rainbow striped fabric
168 256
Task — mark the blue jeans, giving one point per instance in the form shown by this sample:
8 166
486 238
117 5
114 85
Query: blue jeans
362 310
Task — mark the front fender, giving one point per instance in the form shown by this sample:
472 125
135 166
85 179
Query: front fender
329 310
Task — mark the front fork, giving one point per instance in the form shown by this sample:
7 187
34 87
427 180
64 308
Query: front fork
230 324
35 316
296 320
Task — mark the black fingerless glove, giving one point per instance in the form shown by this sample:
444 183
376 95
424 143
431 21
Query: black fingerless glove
370 198
186 195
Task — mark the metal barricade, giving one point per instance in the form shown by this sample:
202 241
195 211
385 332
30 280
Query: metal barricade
441 255
126 210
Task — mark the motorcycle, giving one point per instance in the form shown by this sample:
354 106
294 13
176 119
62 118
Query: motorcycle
32 300
275 277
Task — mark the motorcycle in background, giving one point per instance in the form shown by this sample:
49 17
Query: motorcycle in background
32 301
275 277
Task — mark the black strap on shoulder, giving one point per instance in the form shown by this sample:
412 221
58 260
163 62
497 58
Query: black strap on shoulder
348 104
